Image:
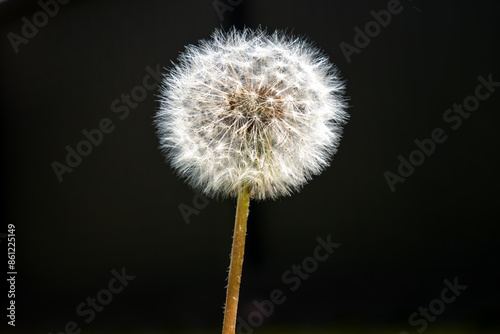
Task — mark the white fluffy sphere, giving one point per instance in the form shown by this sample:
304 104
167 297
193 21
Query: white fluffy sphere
251 109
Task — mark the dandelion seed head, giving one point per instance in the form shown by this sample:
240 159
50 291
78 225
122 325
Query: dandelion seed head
251 109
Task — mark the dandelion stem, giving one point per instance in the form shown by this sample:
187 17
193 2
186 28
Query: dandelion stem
236 266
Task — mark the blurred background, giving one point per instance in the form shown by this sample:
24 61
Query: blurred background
68 68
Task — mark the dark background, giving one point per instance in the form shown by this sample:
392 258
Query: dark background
120 206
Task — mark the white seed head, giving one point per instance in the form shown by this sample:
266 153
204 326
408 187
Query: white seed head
251 109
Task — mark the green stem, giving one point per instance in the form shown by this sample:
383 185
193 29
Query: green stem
236 266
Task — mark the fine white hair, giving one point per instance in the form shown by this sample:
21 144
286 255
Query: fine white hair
251 109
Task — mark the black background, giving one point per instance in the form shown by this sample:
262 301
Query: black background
120 206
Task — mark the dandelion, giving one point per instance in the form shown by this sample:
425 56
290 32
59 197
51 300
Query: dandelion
250 114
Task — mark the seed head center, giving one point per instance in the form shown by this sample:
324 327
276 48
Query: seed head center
257 106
